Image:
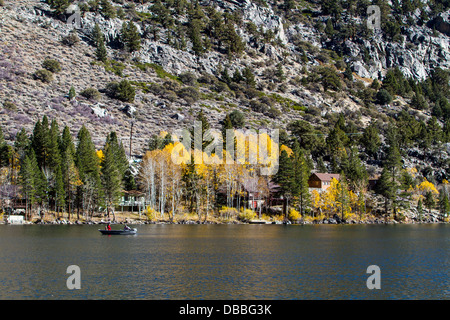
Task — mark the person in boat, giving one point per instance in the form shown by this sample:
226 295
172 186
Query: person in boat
126 227
108 227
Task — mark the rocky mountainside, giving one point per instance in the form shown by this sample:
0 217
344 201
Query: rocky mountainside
297 60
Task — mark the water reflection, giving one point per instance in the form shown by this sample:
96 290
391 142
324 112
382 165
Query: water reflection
226 262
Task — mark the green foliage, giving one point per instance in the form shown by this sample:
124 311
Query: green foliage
383 97
71 39
330 79
115 67
129 37
371 140
58 6
72 93
51 65
91 94
237 119
122 91
100 53
107 9
43 75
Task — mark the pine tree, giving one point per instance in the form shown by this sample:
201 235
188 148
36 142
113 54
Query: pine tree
387 188
196 37
392 165
59 191
111 179
284 178
100 53
54 156
129 37
420 209
444 205
226 125
119 155
87 162
72 93
40 141
58 6
97 35
248 76
107 9
4 151
356 172
301 173
21 143
429 201
27 181
371 140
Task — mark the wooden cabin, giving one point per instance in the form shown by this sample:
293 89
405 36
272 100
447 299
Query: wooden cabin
321 181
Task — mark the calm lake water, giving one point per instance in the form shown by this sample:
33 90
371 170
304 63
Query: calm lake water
226 262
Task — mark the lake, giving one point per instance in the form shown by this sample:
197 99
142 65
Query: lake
226 262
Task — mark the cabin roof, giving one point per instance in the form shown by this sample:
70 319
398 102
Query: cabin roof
326 176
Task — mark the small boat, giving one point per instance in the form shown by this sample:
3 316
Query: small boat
125 232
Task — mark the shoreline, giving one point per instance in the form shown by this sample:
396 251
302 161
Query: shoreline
130 219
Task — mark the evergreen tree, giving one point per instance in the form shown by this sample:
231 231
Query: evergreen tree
72 93
301 173
444 204
237 77
190 179
248 76
59 6
129 37
54 156
119 155
40 141
21 143
195 36
356 172
429 201
59 191
27 181
420 209
371 140
227 124
348 74
386 188
284 178
87 163
100 53
4 151
107 9
111 178
97 35
237 119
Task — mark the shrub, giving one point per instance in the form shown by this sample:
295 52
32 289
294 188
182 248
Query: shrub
293 215
247 215
383 97
51 65
150 213
207 78
188 78
122 91
91 94
257 106
237 119
43 75
228 213
72 93
71 39
8 105
189 93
